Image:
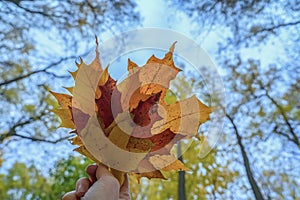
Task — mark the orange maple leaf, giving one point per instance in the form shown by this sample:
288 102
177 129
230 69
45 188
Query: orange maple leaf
129 126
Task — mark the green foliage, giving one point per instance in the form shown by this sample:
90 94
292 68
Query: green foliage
65 174
206 179
26 182
263 97
28 64
261 77
23 182
170 97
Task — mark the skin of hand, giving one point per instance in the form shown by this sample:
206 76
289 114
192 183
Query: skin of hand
101 185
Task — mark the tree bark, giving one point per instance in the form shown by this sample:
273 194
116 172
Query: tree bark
256 190
181 177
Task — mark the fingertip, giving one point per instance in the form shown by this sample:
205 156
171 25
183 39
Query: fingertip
126 182
70 196
82 186
124 190
91 171
102 170
91 168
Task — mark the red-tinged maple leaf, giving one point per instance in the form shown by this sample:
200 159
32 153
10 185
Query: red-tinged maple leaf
104 102
129 127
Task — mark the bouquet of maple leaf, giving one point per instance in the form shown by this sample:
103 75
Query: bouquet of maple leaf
129 126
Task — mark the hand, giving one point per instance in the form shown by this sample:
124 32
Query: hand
101 185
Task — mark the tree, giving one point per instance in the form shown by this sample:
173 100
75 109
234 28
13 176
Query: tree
29 66
65 174
23 182
256 128
260 144
207 178
27 182
263 110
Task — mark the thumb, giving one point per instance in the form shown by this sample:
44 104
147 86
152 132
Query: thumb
125 190
102 171
106 187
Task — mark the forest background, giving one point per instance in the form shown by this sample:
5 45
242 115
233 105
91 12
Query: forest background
254 43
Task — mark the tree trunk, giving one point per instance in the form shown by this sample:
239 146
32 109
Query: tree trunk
256 190
181 177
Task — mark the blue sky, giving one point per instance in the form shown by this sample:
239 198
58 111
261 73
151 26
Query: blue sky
154 13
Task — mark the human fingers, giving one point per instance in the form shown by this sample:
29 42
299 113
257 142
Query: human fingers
70 196
106 187
91 171
125 190
82 186
102 171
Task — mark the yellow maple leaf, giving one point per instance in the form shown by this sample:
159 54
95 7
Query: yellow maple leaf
129 127
182 117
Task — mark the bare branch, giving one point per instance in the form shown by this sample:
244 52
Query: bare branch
272 28
13 132
294 138
275 130
43 13
42 139
44 70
